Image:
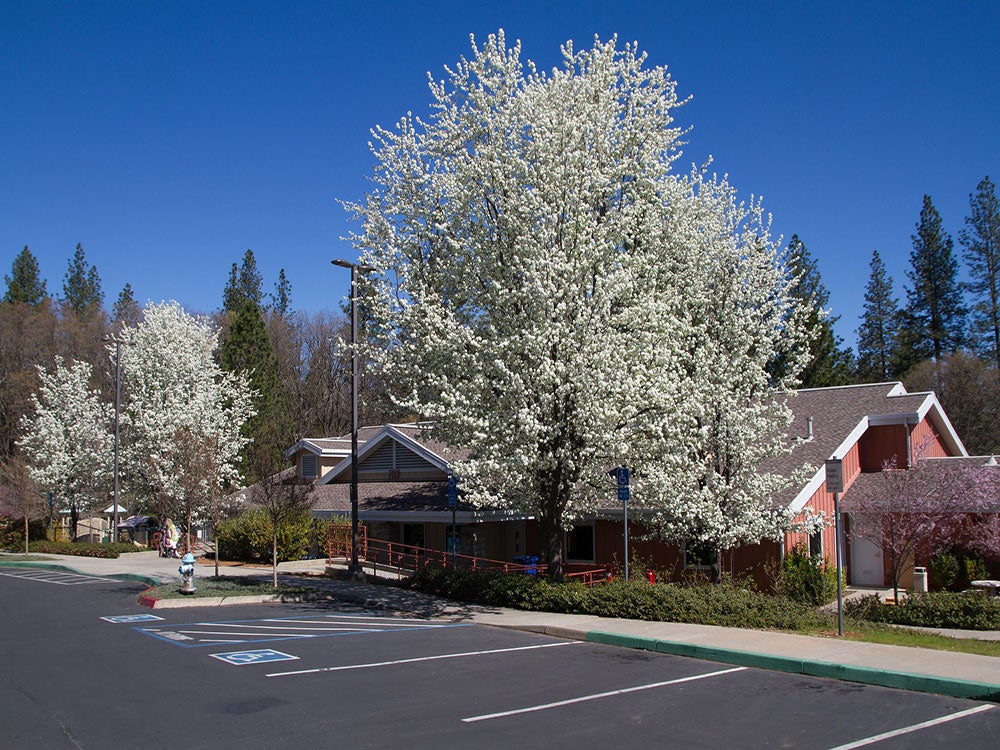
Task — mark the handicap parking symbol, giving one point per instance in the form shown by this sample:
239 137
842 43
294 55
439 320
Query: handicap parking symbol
131 618
257 656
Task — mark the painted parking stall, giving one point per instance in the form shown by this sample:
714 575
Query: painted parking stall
218 632
55 577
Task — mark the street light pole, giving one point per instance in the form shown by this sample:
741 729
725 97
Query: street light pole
118 396
355 567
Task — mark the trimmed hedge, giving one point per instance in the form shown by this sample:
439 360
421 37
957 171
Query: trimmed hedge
110 550
973 610
724 604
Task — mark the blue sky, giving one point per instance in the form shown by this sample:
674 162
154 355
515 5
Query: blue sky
169 137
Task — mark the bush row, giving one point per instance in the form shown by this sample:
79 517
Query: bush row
973 610
247 537
724 604
83 549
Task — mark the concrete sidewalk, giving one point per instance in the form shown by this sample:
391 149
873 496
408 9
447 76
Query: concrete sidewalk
927 670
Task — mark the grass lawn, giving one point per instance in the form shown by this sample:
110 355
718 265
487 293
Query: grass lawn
13 557
890 635
227 586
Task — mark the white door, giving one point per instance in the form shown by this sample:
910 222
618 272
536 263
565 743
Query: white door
866 563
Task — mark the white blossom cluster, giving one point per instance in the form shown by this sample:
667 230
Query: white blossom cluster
179 405
68 437
180 420
561 301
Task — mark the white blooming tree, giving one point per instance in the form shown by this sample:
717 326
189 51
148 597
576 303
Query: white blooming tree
67 440
182 412
562 302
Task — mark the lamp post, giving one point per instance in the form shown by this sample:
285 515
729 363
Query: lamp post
118 395
355 567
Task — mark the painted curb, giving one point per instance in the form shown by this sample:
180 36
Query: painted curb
956 688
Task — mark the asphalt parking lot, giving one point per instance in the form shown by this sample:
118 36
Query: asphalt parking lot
85 667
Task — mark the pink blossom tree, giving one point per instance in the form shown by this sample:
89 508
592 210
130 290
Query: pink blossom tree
916 513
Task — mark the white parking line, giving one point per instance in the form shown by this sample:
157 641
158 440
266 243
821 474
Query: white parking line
49 576
422 658
202 633
913 728
598 696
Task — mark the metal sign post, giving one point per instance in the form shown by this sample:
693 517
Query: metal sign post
621 474
835 484
453 504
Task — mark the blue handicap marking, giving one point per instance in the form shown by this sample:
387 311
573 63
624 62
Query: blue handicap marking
131 618
258 656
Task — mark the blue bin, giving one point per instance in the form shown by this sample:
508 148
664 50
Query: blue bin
531 561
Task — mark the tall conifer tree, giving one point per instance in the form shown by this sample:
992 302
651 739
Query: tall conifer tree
879 326
25 284
248 348
981 240
829 364
933 323
82 285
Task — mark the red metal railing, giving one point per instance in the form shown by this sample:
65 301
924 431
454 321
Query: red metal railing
405 559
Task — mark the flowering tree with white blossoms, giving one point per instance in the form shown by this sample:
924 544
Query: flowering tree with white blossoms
182 413
562 302
68 440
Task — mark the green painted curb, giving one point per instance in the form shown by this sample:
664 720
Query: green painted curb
983 691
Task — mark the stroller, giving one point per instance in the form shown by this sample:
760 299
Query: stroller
170 538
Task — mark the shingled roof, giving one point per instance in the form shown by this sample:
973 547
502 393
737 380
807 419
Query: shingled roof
826 423
840 415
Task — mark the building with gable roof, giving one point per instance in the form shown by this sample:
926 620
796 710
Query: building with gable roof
403 474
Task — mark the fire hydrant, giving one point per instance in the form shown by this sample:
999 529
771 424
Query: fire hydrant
186 570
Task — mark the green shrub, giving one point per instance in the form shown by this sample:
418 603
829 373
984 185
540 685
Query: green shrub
972 610
12 532
974 569
726 604
806 579
943 571
247 537
108 550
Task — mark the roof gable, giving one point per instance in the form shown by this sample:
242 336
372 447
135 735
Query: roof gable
391 455
841 415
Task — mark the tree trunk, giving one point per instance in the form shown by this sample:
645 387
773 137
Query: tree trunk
717 567
25 533
552 544
274 558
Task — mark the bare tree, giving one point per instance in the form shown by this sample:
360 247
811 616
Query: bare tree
281 493
20 495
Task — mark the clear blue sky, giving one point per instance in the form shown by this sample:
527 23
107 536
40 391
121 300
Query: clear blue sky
169 137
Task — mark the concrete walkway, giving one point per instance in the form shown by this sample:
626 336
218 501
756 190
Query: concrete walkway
927 670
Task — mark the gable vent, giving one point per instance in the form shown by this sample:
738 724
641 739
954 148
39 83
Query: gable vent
392 456
307 466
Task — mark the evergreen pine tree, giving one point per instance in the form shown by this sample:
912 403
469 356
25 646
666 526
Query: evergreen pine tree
933 323
126 311
981 240
281 300
244 285
879 326
248 348
82 285
830 364
25 285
